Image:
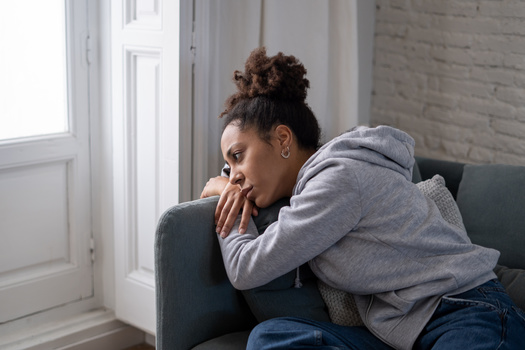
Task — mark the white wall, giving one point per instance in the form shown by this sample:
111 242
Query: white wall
334 40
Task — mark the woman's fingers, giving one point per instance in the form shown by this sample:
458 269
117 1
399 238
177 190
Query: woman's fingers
229 215
220 206
222 211
247 211
228 208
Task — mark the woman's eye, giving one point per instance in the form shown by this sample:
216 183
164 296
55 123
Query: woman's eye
237 155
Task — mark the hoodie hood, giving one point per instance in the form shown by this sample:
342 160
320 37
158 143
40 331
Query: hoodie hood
383 146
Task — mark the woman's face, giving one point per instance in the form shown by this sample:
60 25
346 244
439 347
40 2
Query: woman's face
256 165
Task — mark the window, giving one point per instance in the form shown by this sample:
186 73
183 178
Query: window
45 206
33 94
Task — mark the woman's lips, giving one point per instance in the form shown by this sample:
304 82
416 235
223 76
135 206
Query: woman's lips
246 191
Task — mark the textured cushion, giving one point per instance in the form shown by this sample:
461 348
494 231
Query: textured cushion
492 202
437 191
280 297
341 306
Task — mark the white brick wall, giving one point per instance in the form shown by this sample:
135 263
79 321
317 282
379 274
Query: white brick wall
452 74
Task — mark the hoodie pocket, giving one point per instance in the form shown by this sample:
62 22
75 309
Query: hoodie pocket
387 308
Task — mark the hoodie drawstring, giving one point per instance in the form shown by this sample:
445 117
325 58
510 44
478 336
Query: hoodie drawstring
297 283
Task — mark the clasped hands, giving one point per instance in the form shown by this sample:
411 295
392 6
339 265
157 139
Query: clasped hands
232 202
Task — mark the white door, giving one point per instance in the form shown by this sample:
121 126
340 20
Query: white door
45 189
145 86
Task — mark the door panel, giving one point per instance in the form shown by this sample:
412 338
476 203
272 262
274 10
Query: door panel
145 72
34 217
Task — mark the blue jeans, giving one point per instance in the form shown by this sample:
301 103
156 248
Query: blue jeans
482 318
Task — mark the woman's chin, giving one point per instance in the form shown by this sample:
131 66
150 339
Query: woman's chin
264 202
261 203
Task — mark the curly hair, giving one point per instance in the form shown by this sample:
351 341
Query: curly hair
272 91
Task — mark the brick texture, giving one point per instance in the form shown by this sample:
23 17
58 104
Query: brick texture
452 74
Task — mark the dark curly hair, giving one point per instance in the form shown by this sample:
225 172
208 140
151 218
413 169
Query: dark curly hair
270 92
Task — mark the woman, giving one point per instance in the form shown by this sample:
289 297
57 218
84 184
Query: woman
358 221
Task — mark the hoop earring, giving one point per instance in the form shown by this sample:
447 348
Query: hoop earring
287 155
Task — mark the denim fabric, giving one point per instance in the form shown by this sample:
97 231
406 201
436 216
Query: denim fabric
482 318
299 333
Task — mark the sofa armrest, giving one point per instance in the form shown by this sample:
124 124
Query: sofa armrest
195 300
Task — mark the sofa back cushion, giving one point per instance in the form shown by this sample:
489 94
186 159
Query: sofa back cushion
452 172
491 199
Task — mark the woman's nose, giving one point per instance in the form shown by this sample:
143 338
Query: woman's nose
236 178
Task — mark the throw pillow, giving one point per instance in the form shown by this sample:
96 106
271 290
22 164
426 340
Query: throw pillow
341 306
436 190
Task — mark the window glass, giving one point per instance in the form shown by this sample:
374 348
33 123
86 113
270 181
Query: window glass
33 70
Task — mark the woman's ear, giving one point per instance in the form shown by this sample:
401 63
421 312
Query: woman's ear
284 135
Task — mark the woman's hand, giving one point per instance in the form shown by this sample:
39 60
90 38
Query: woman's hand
230 204
215 186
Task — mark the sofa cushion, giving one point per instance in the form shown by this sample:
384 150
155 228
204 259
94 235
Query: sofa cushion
416 174
491 199
279 297
451 171
514 282
231 341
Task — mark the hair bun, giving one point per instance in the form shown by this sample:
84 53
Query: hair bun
278 77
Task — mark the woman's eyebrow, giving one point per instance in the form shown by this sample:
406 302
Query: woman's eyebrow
229 152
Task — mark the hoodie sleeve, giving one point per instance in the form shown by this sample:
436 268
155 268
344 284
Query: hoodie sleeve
323 210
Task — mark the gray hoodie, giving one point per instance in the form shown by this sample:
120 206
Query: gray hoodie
365 228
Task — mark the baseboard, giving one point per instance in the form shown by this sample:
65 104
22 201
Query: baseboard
97 329
117 339
150 339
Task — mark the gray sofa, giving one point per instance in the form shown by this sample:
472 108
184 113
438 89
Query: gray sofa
197 307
